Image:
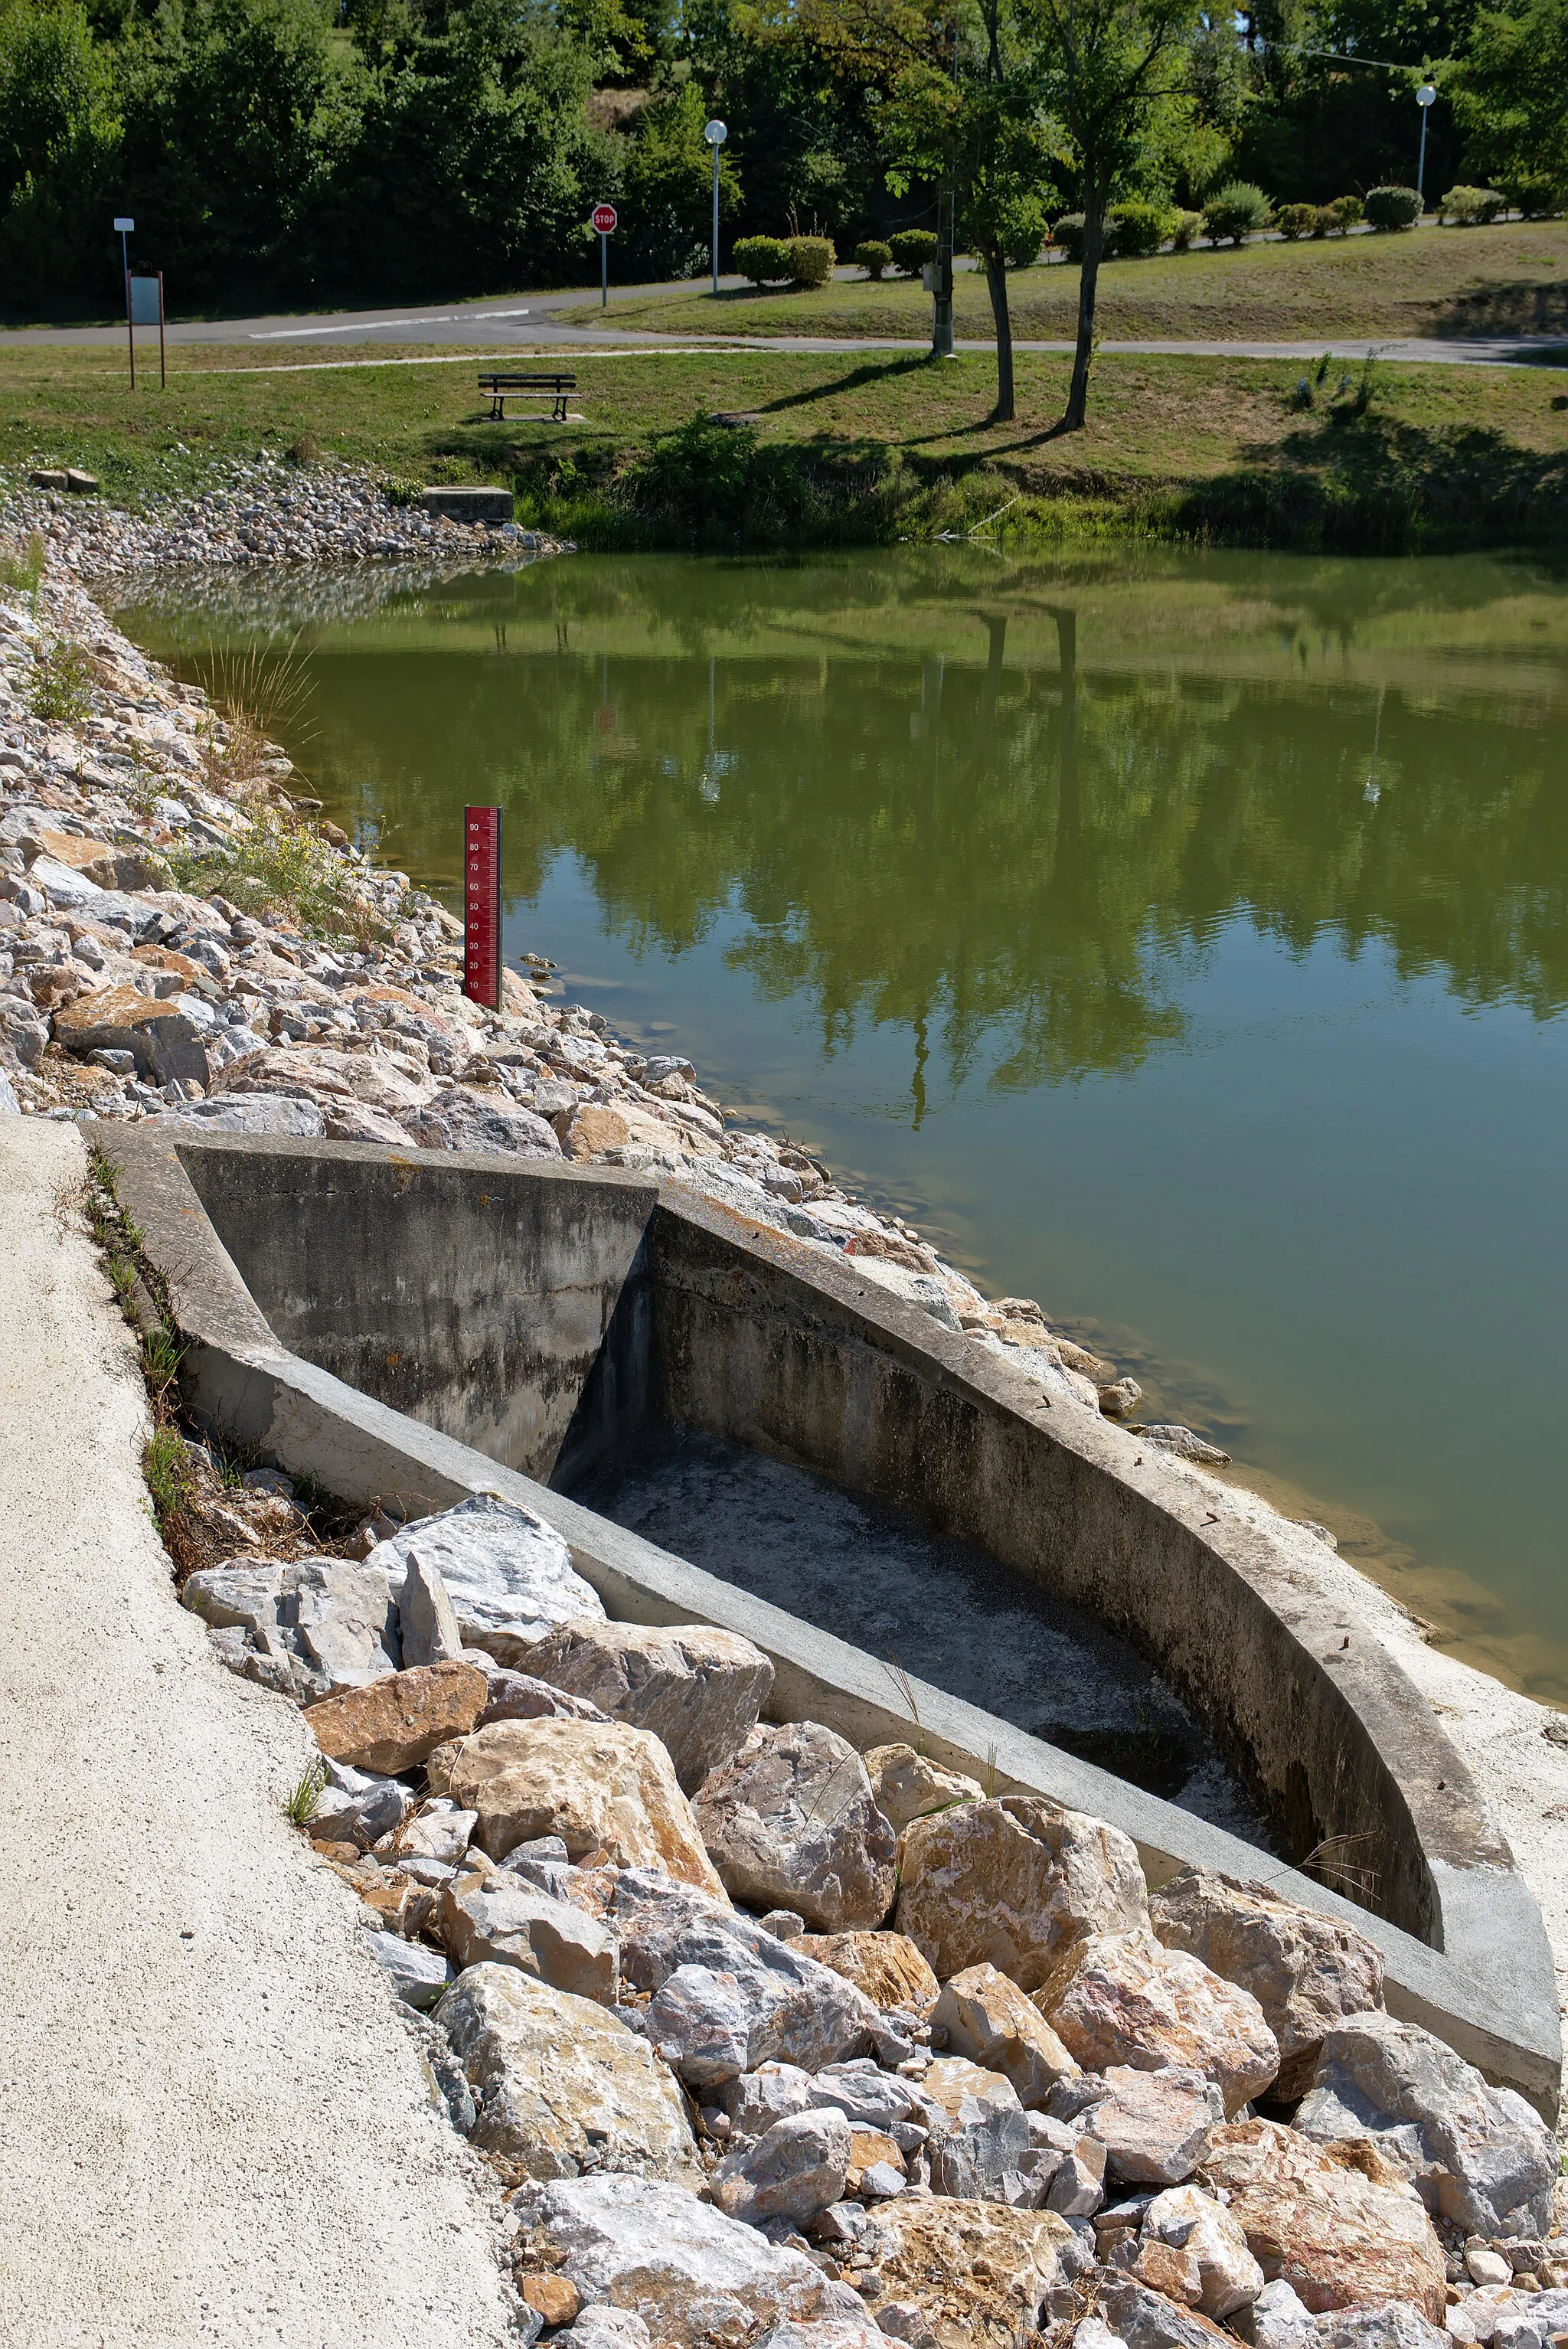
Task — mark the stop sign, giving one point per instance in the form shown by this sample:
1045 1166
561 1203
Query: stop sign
604 218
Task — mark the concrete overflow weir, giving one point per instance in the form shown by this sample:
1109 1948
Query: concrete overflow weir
407 1329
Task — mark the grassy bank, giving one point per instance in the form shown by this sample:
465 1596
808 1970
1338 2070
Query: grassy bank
860 447
1510 279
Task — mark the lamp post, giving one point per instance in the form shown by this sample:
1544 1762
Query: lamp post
1426 96
122 229
716 134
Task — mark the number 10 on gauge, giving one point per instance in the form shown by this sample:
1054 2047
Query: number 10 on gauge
605 218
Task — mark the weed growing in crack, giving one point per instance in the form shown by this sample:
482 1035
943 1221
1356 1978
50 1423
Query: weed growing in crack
300 1805
61 692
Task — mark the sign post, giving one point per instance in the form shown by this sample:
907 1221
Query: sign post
481 905
146 310
605 218
122 229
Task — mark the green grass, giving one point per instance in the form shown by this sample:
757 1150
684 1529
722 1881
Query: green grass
885 444
1508 279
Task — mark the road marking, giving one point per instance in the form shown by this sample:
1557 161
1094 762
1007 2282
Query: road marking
374 325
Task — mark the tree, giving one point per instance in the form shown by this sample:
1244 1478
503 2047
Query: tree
666 184
1116 69
963 107
1510 93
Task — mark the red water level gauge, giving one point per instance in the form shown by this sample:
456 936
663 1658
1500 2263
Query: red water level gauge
481 905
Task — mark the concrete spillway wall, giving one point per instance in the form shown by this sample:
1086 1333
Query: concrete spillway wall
408 1329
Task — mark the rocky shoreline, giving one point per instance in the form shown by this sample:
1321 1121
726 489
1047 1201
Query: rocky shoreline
764 2039
769 2041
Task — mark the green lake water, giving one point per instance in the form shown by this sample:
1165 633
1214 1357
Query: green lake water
1181 939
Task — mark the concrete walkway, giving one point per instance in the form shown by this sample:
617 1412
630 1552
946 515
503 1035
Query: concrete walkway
215 2127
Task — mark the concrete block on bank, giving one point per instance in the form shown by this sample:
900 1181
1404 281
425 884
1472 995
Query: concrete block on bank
467 505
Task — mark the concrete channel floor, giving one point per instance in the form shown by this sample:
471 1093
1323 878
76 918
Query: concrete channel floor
216 2127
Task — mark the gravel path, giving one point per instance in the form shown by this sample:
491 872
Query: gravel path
217 2127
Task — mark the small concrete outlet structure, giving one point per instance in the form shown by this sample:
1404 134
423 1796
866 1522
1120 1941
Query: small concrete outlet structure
409 1327
468 505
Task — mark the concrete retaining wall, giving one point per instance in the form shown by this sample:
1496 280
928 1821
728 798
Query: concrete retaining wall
725 1325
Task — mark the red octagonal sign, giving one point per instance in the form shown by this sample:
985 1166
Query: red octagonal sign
604 218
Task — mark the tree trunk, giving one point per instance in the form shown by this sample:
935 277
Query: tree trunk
997 282
1089 285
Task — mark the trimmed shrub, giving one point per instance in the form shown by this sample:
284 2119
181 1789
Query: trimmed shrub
1343 215
874 257
764 259
911 248
1067 235
1392 208
1472 207
1135 230
1026 234
812 260
1235 212
1294 220
1184 227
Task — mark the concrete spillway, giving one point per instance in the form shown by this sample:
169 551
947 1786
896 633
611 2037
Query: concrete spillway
408 1328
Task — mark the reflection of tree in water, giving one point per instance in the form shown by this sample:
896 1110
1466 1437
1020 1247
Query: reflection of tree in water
1010 855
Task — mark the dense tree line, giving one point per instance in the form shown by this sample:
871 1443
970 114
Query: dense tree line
315 151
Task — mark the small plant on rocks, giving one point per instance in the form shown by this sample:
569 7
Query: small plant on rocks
300 1805
21 567
61 693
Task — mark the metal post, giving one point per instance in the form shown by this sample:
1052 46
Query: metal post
715 219
162 369
1426 97
604 270
942 314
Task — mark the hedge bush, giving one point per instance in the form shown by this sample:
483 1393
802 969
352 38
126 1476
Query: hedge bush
1067 235
1392 208
1295 220
1536 194
1134 231
812 260
1184 227
911 248
764 259
874 257
1237 210
1472 207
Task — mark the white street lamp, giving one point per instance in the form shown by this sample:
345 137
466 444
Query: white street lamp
1426 97
716 134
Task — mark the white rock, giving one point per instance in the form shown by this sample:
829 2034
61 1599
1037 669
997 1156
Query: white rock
790 1823
793 2171
427 1620
328 1622
1195 2222
698 1690
1281 2320
507 1574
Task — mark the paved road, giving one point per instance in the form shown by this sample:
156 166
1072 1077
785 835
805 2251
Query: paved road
219 2133
515 325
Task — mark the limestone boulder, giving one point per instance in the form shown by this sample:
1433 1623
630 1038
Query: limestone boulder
790 1823
1155 2126
509 1575
162 1039
869 2098
559 2085
322 1623
358 1806
791 2171
699 1691
691 2273
988 2018
959 2090
475 1118
600 1788
908 1785
753 2101
1280 2320
979 2274
727 1997
493 1919
887 1967
1012 1882
1392 2326
1334 2222
1144 2318
1124 1999
1189 2220
517 1696
1305 1969
1480 2155
418 1975
978 2159
394 1723
427 1621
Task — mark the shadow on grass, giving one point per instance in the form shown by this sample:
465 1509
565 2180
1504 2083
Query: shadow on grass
1524 306
1373 485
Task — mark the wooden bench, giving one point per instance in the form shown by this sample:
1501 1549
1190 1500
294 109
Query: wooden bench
500 388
